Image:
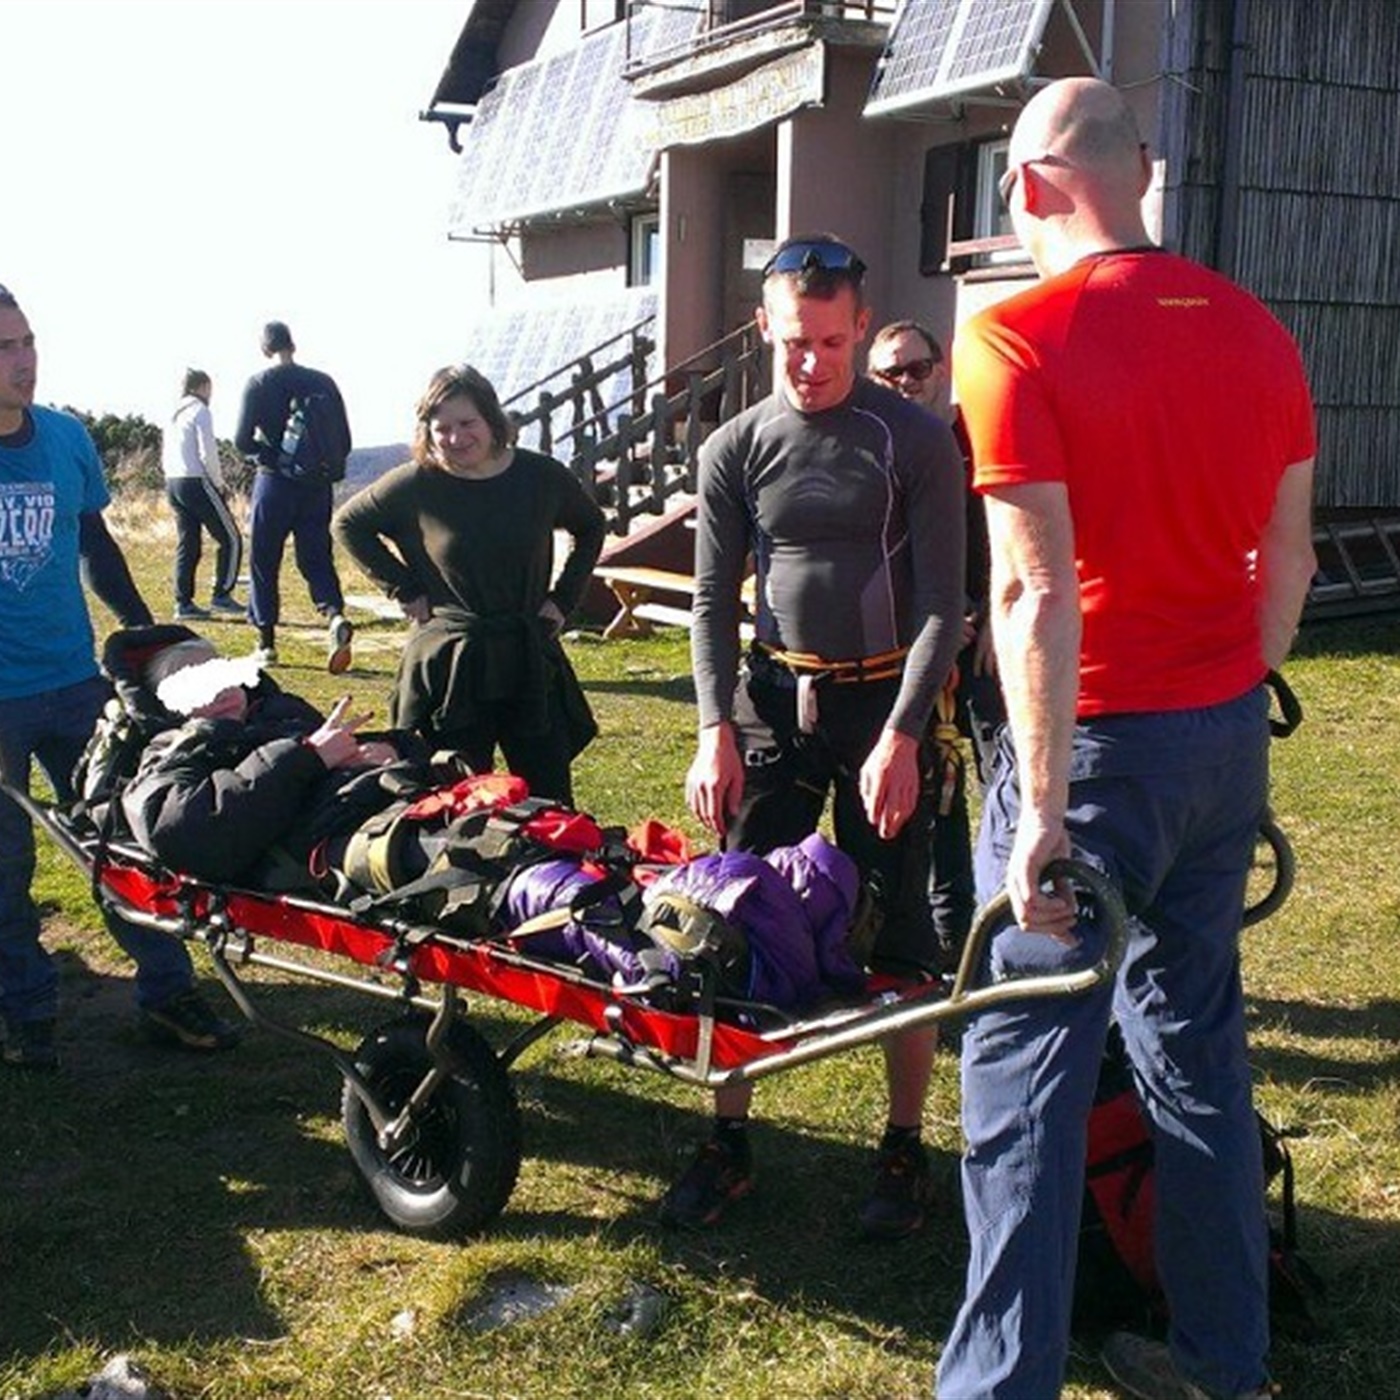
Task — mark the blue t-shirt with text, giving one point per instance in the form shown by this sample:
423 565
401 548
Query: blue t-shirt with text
46 483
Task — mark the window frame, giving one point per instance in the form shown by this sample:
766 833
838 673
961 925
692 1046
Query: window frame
644 249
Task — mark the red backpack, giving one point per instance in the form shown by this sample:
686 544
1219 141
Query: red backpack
1116 1276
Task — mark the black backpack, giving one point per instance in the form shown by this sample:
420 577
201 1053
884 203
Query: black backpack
1116 1277
131 718
312 446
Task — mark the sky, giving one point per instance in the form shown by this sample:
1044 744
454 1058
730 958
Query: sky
174 173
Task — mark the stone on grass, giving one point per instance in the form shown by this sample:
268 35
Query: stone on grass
120 1379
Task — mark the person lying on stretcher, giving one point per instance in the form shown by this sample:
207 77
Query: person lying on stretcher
244 783
248 779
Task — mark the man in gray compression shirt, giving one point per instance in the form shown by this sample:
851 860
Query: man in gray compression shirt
850 501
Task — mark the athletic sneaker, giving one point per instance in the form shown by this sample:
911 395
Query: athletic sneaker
29 1045
190 612
338 637
189 1021
903 1190
226 605
265 656
1144 1367
698 1197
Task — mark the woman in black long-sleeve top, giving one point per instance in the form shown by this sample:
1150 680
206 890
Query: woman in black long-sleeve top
462 537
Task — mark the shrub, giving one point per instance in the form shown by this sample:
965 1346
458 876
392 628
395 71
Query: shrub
130 450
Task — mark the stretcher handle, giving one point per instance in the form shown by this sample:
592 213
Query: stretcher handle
1290 714
997 913
965 998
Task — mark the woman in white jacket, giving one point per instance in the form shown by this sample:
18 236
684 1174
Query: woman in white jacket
194 485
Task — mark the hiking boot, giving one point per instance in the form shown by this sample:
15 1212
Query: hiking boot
1144 1367
903 1190
226 605
189 1021
265 656
29 1045
697 1198
338 636
190 612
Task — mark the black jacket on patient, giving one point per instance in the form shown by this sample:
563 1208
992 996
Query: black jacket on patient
247 801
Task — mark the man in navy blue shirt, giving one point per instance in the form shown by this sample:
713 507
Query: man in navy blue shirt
290 500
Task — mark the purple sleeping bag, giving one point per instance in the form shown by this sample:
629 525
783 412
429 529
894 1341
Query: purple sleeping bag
537 889
794 908
827 882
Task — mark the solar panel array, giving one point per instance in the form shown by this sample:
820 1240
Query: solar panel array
940 48
564 132
514 349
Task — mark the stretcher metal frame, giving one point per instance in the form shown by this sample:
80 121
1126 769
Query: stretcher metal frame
430 1117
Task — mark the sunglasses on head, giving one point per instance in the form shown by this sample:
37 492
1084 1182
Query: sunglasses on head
914 369
813 257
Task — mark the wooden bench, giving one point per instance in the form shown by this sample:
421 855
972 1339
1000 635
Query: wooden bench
636 587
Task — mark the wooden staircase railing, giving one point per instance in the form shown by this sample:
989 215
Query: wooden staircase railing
638 453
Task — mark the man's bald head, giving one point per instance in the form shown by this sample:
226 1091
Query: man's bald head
1078 142
1086 121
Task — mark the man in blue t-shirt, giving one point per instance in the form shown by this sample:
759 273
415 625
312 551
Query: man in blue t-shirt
52 495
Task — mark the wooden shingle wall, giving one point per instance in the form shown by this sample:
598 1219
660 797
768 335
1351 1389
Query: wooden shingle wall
1316 217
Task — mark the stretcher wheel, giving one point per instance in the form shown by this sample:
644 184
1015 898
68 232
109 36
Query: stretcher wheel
1270 875
457 1167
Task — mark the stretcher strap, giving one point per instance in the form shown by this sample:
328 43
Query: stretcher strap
882 666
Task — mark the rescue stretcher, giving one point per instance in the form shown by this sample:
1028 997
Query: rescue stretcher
428 1109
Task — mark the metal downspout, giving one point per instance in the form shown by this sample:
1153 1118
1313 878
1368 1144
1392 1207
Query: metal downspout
1226 242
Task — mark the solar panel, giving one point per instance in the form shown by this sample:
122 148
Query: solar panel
564 132
515 349
942 48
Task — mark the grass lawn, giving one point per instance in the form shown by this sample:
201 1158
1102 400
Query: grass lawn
205 1216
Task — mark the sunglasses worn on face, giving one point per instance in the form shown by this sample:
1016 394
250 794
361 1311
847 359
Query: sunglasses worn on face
811 257
918 370
1012 173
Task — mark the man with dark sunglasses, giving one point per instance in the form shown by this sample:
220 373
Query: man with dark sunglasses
908 357
850 502
1149 565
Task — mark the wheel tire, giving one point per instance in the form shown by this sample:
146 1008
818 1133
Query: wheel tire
455 1171
1272 853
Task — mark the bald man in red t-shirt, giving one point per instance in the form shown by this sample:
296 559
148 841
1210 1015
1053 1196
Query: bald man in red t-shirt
1144 438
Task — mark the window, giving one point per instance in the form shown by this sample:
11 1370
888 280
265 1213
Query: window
594 14
644 261
990 217
964 225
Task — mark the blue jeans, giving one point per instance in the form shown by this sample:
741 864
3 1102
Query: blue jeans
52 729
1168 806
301 509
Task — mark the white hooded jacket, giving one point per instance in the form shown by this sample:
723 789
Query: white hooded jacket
188 447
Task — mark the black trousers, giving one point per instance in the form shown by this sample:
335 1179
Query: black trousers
198 506
788 776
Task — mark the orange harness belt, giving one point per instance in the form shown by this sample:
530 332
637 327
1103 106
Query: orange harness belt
881 667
